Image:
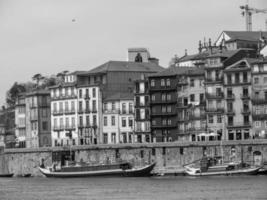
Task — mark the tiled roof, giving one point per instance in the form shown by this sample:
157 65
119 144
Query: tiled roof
120 66
224 53
173 71
246 35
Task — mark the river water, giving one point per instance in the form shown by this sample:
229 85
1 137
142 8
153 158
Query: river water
153 188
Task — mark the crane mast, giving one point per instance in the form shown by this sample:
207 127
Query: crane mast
247 13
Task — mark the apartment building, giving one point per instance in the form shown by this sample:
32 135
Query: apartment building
191 105
142 111
118 119
20 121
259 99
64 104
238 100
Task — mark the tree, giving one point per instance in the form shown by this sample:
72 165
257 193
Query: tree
37 78
62 75
13 93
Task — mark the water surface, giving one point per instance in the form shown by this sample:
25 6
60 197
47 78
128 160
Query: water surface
154 188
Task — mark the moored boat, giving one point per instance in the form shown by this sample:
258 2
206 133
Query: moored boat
6 175
211 166
119 169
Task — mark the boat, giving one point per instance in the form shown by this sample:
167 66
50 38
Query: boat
208 166
6 175
85 170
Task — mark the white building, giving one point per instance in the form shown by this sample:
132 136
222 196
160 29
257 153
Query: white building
118 120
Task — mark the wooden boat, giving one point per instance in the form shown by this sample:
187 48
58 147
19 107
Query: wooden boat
6 175
209 167
122 169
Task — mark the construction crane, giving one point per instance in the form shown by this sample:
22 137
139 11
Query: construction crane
247 12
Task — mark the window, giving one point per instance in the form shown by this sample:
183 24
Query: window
168 82
113 138
230 120
257 124
163 97
192 97
217 75
169 97
192 82
87 105
256 80
169 122
246 119
245 92
94 106
153 97
94 120
162 82
105 106
61 106
210 118
66 106
105 138
237 78
229 92
113 106
130 108
72 105
123 122
105 121
80 105
169 109
154 122
87 93
94 92
245 77
229 79
163 109
45 126
67 122
124 108
87 120
219 119
113 121
152 83
164 122
81 120
201 97
80 93
130 122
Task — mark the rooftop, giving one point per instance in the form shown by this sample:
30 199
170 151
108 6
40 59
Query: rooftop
120 96
173 71
123 66
246 35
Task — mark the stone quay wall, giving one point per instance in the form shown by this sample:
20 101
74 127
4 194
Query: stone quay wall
166 155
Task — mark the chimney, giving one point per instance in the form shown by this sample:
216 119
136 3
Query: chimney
185 52
199 46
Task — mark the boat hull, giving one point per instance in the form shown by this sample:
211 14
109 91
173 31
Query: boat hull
245 171
6 175
140 172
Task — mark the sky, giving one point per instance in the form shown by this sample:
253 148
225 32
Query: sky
50 36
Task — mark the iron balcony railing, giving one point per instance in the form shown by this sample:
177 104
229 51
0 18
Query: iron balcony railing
238 124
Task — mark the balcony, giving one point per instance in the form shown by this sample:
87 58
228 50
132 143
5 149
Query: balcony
69 112
198 116
244 96
107 111
181 105
195 129
161 126
213 80
258 100
219 95
245 111
230 97
182 82
81 126
57 112
81 111
238 124
94 110
34 118
64 96
86 96
138 104
163 88
87 110
70 127
173 101
230 112
58 128
164 113
259 116
214 110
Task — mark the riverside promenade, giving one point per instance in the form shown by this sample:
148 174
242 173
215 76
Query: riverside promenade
167 155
